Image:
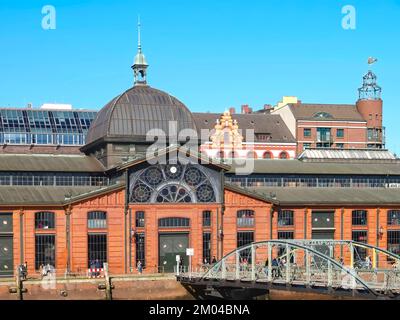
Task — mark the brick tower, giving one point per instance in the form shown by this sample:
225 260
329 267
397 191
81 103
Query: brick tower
369 104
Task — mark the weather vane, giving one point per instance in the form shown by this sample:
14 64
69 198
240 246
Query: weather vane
372 60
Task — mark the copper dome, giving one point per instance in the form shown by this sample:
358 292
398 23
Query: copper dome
130 116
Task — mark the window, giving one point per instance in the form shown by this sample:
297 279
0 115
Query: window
307 132
245 238
97 220
267 155
251 155
285 218
306 146
45 250
393 241
139 217
206 218
283 155
393 217
324 135
206 247
245 218
360 236
359 218
340 133
174 222
140 248
340 145
97 250
44 220
284 235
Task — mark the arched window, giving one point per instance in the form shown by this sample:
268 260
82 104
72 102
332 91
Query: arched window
252 155
267 155
44 220
97 220
172 183
245 218
283 155
173 222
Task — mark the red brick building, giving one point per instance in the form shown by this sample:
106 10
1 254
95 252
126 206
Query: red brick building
115 203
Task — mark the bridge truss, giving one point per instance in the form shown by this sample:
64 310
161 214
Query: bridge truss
334 267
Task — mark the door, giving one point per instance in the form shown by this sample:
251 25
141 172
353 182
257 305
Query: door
6 256
323 228
170 245
6 245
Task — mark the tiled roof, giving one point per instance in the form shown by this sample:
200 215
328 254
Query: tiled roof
260 123
307 111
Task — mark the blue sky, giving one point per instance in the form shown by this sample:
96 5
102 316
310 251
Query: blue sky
211 54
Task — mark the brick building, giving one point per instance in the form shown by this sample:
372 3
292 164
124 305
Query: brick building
113 202
338 126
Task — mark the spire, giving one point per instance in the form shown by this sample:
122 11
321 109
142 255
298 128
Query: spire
139 45
140 64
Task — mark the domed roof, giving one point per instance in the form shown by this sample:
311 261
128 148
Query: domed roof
130 116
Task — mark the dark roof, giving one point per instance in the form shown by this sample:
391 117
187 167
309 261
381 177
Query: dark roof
49 162
260 123
50 195
300 167
136 111
251 193
332 196
34 195
307 111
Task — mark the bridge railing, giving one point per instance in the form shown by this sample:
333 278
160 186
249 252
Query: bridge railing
309 263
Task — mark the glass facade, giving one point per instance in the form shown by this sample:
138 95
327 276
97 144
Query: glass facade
44 127
314 181
51 179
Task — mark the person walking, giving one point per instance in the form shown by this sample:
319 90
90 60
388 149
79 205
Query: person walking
139 267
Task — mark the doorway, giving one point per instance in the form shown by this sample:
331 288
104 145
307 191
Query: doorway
170 245
6 245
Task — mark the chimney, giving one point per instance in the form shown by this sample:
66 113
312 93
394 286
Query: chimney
246 109
232 110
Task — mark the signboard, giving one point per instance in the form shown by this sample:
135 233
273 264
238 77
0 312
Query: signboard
177 258
189 251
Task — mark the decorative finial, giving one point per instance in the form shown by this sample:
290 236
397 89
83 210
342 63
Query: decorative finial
140 65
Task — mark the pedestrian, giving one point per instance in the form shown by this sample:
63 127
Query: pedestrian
214 260
139 267
368 264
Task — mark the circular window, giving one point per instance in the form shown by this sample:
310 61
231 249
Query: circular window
205 193
193 176
173 171
141 193
153 176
